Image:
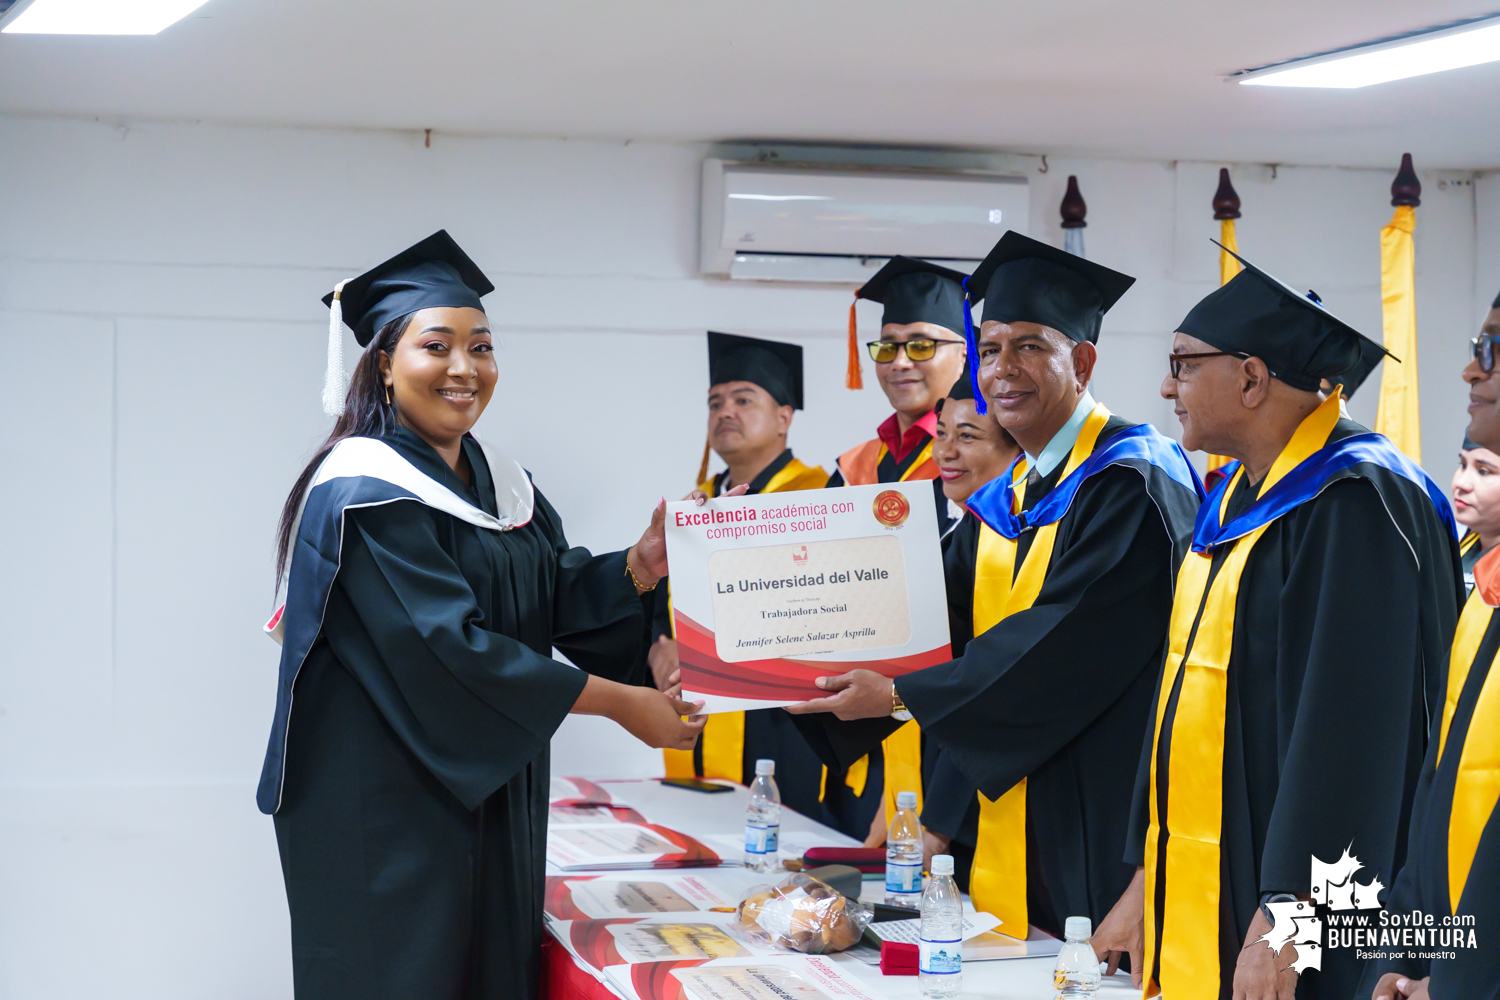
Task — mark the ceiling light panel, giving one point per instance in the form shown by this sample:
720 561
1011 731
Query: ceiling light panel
99 17
1415 55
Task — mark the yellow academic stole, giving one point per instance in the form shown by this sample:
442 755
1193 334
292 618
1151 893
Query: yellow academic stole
997 883
1476 787
724 733
1199 644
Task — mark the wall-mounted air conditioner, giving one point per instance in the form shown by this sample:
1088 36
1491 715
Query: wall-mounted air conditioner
804 223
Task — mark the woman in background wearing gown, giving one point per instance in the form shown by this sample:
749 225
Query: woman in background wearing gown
428 585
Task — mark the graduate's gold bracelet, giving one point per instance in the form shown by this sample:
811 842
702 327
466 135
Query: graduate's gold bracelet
635 580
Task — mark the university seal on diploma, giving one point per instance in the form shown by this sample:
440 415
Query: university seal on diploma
772 591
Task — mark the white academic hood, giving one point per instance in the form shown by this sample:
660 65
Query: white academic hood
834 224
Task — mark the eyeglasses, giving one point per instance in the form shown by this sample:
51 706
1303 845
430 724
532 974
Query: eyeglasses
1482 349
1175 360
883 352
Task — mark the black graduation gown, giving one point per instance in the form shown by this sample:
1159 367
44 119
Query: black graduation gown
769 732
1052 694
948 803
1340 646
413 816
1472 973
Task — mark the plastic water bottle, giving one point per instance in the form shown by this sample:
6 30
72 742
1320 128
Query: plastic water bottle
940 941
903 854
763 819
1076 975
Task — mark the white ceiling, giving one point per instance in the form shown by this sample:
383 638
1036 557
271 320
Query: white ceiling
1119 77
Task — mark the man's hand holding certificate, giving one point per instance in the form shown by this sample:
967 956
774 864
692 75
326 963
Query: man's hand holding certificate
772 591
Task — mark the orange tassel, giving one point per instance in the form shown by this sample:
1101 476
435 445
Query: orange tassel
854 379
703 468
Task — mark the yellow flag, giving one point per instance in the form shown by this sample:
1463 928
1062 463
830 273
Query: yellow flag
1228 268
1228 265
1398 417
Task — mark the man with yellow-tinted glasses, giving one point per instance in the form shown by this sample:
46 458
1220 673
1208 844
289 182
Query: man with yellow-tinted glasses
918 357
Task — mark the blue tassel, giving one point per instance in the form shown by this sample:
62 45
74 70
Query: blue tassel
973 348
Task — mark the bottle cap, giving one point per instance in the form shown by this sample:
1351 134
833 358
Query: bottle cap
906 800
765 766
1078 928
942 864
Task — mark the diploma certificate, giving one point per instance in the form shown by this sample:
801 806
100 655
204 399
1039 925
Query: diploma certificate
770 592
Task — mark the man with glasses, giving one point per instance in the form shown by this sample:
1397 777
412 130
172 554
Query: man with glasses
918 357
1453 852
1071 577
1309 637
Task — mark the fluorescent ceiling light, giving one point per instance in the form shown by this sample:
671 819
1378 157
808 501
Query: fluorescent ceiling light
782 197
1416 54
99 17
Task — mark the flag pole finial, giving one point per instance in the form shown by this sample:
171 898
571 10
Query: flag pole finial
1226 199
1074 208
1406 189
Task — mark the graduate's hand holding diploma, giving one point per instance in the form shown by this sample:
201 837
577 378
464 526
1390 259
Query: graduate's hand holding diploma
662 658
647 558
656 718
859 694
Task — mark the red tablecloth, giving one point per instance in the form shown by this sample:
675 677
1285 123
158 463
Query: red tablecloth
562 979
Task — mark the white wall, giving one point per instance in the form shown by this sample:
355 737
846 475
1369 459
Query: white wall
160 326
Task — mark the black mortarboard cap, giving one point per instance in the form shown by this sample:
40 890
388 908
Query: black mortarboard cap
432 273
1469 443
1370 355
917 291
1300 341
774 366
964 387
1496 304
1027 281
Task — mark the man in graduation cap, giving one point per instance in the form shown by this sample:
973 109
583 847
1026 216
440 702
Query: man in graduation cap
918 357
1453 849
1071 558
1309 634
755 387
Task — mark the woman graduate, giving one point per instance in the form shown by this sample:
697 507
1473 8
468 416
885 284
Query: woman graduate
426 584
1476 503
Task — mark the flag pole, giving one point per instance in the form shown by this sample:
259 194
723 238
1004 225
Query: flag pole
1226 210
1398 416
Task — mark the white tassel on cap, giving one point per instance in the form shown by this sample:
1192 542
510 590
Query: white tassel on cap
335 379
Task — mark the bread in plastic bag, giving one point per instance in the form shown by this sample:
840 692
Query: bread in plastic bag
803 914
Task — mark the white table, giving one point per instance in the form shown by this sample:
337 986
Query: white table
709 817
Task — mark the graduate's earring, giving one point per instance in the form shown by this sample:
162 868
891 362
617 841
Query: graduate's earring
387 394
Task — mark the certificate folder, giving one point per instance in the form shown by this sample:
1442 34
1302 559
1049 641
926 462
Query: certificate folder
771 591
